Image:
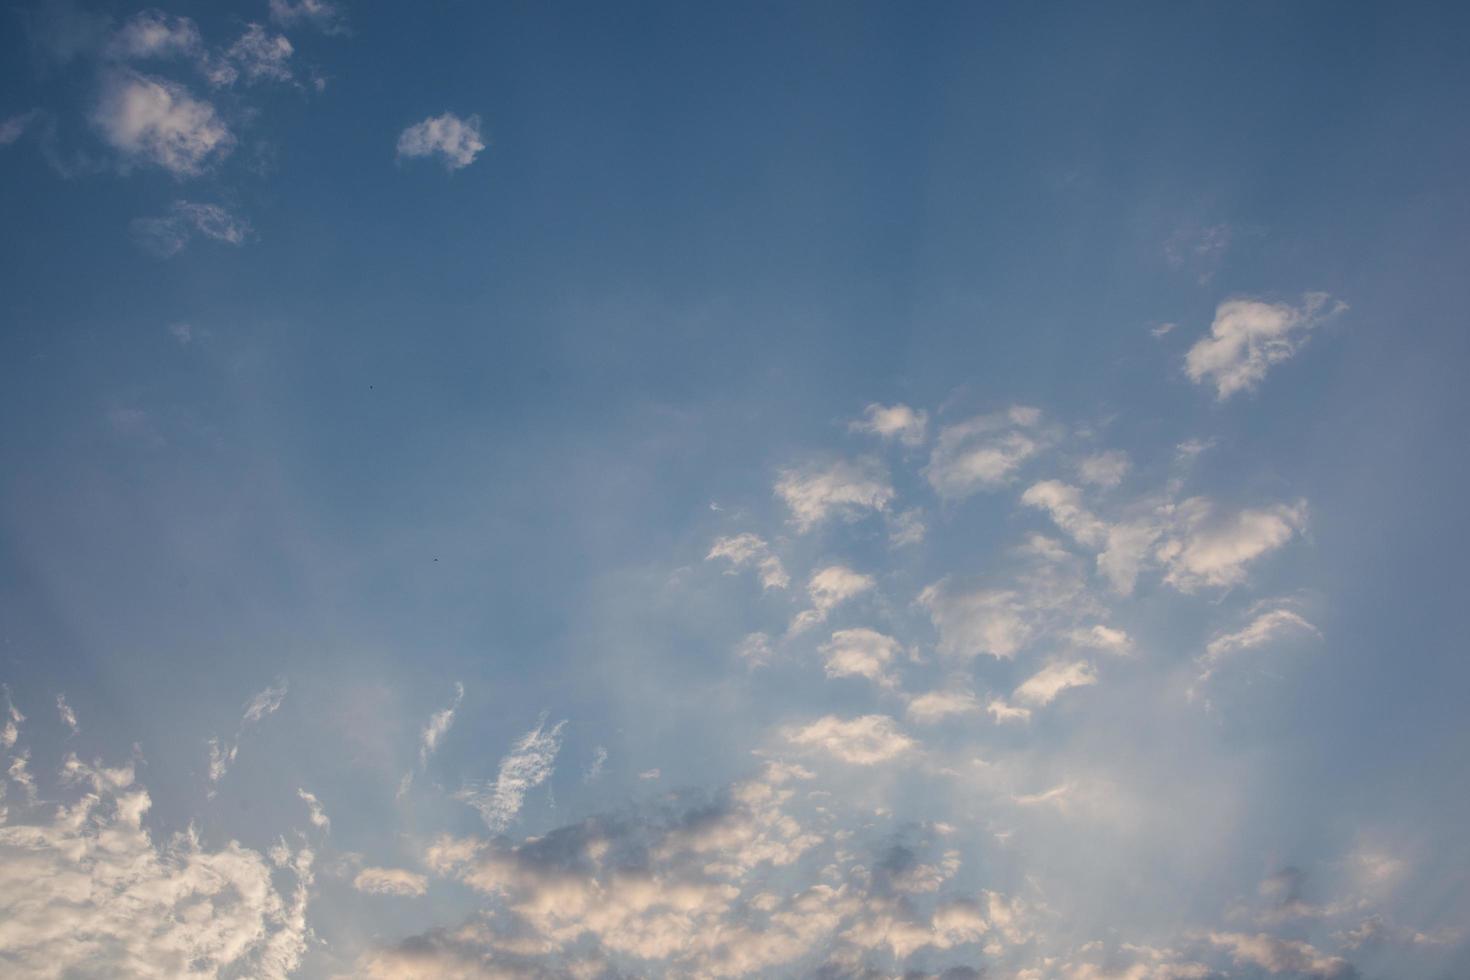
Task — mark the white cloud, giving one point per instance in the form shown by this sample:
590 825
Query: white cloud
258 56
935 706
15 127
456 140
1105 469
222 755
1064 503
1281 955
828 588
324 15
167 235
906 528
390 881
983 453
438 725
863 741
1212 551
527 765
1057 796
68 716
755 649
651 774
1003 712
746 549
844 489
1248 336
13 720
861 653
1265 627
1105 638
315 813
900 422
594 771
154 34
1043 686
987 621
87 892
157 121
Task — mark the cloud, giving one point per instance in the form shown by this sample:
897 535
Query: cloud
935 706
993 622
155 121
906 528
315 813
846 489
1265 627
755 649
15 127
87 892
325 16
68 716
13 720
438 726
828 588
1064 503
167 235
1105 469
454 139
861 653
1208 550
746 549
1248 336
1281 955
594 771
256 55
984 453
1104 638
390 881
526 766
900 422
154 34
863 741
222 754
1003 712
1043 686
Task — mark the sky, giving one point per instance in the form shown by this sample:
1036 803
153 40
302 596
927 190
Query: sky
834 490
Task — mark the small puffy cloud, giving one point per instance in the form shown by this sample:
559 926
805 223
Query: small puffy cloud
15 127
935 706
167 235
324 15
1248 336
1104 638
993 622
906 528
1003 712
1266 626
1209 550
456 140
154 34
1105 469
828 588
846 489
390 881
1064 503
528 764
746 549
256 56
900 422
438 725
755 649
863 741
1281 955
861 653
314 811
983 453
68 716
155 121
1043 686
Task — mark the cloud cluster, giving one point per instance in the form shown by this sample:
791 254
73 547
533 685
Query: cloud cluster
528 764
1249 336
456 141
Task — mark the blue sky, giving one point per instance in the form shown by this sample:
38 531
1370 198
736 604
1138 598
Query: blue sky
835 490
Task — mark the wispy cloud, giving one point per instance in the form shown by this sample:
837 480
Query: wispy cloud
526 766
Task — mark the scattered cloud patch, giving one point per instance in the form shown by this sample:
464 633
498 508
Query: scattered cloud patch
861 652
1105 469
391 881
1249 336
456 141
862 741
907 425
1043 687
167 235
935 706
156 121
985 452
526 766
828 588
325 16
743 550
846 489
314 811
